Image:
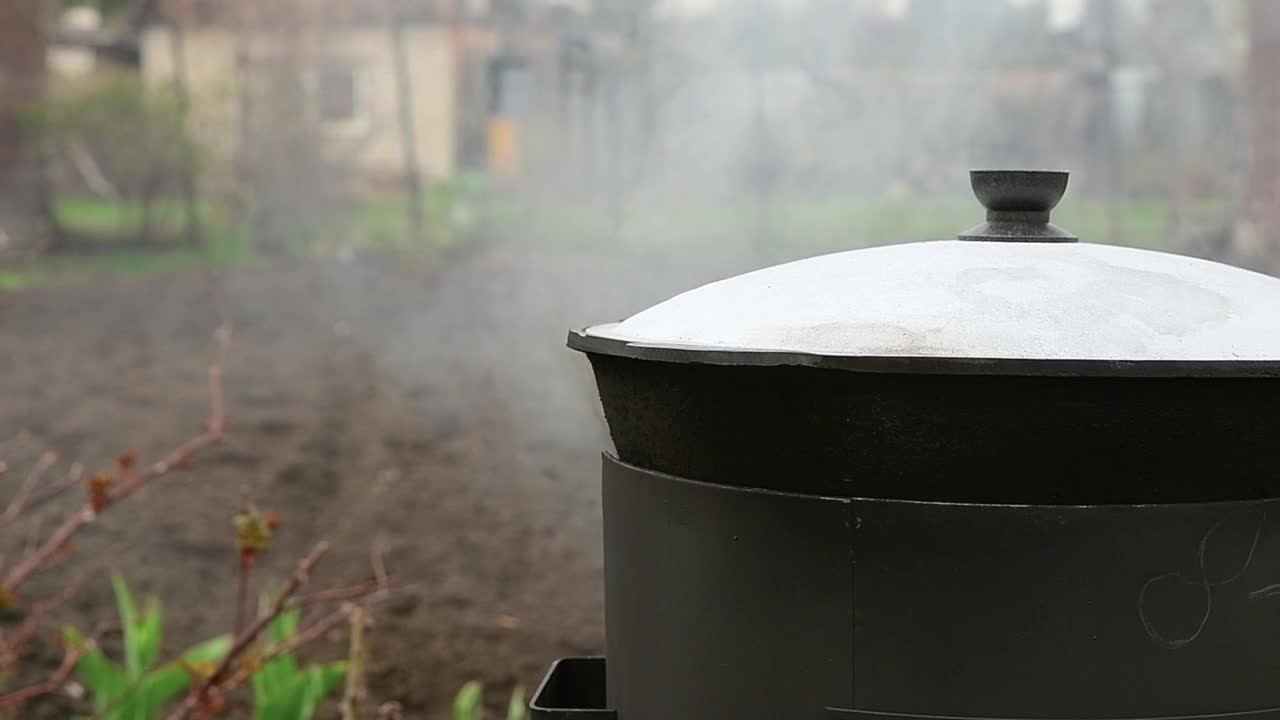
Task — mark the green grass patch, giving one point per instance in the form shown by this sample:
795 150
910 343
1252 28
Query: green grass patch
23 276
453 212
98 217
226 246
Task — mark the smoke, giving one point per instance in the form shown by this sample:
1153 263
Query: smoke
584 160
666 144
775 126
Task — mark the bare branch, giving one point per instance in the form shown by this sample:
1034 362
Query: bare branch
390 711
59 677
179 457
74 475
203 692
350 592
86 515
21 438
309 634
306 636
211 693
14 645
378 559
42 555
356 690
23 496
244 567
379 584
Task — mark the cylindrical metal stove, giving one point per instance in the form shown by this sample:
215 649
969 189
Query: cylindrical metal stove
1007 476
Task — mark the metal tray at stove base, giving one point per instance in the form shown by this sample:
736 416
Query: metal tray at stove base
574 689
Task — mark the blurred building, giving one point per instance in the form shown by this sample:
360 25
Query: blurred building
67 60
253 77
483 78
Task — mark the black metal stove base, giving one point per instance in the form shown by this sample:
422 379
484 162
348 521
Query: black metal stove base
574 689
841 714
727 603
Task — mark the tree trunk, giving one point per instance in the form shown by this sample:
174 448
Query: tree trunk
1264 116
24 202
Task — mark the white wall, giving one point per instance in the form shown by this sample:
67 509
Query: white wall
215 88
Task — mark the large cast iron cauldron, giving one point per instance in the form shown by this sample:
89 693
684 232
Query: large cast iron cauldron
1010 475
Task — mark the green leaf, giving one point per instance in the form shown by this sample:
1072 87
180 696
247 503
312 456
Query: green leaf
285 703
314 693
285 625
282 669
149 634
517 708
280 690
297 696
212 650
259 690
469 702
274 678
105 680
271 678
331 675
158 688
262 685
161 686
128 610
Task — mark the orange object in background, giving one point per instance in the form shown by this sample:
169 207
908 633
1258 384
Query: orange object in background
504 147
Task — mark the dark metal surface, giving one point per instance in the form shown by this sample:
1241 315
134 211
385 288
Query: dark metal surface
1065 612
842 714
1018 204
1043 440
574 689
724 604
925 365
732 604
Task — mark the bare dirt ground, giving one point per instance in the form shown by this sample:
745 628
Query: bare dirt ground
437 405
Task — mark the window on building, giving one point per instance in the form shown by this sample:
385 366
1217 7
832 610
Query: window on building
509 87
337 93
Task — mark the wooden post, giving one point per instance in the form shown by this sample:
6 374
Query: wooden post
181 89
1112 185
408 129
1264 117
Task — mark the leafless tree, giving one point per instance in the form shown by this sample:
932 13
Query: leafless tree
24 202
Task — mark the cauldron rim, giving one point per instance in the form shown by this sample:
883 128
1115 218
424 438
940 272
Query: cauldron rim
584 340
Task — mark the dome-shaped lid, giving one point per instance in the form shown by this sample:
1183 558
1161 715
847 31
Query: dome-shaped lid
1014 295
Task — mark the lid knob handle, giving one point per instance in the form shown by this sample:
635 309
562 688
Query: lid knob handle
1018 203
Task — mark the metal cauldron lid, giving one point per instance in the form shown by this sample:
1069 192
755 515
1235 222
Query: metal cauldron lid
1015 294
